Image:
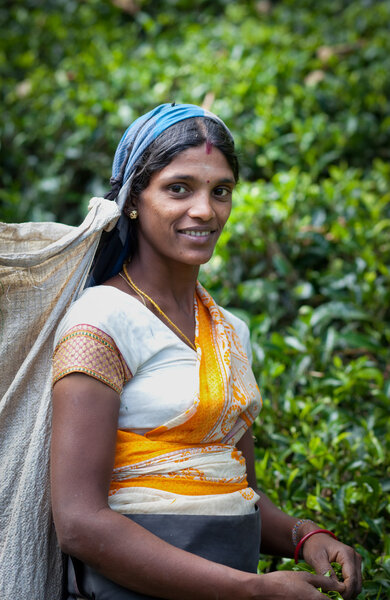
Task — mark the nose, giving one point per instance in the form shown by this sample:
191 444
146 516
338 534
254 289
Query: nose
201 206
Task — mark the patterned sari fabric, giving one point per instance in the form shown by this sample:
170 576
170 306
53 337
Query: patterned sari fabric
194 454
189 463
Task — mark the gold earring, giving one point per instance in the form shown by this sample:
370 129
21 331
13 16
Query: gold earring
133 214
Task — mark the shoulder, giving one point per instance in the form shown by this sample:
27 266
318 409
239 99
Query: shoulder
103 307
239 324
241 328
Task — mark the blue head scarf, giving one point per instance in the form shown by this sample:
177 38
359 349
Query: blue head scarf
114 246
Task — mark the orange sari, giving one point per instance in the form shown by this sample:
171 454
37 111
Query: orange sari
194 454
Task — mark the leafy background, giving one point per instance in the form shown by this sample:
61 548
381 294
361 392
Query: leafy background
305 258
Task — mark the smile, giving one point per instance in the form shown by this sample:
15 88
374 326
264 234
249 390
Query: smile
195 233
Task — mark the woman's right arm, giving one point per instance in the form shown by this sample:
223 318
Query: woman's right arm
85 416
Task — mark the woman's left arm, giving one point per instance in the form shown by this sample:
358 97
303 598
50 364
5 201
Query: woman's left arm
276 534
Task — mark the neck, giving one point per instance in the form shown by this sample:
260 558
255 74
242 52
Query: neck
168 284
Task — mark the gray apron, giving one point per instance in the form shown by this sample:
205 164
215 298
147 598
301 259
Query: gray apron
233 541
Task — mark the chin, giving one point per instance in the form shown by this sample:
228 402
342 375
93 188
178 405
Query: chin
196 261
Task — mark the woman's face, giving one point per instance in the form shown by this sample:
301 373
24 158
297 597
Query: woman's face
184 208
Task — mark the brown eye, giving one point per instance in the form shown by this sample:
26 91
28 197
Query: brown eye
177 188
222 192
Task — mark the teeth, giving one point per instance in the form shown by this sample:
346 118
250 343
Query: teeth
197 233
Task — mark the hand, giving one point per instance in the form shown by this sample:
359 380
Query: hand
321 549
293 585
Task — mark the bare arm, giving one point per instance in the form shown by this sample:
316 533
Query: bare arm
85 414
276 528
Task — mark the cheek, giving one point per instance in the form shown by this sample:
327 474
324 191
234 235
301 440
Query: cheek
156 216
225 213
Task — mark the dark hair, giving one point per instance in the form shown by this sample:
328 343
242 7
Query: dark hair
185 134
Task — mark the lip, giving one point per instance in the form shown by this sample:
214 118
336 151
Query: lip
197 234
197 231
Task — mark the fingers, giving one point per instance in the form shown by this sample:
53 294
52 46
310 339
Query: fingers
290 585
352 572
322 551
350 562
322 566
328 584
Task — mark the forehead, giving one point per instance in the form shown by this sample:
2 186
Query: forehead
199 161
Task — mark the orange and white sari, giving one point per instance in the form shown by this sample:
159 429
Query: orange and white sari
186 463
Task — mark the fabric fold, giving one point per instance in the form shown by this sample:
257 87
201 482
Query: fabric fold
189 455
42 268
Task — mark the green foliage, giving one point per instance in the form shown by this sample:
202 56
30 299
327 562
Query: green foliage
307 265
289 565
301 86
305 258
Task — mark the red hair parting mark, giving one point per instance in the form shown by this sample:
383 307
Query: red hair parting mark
209 147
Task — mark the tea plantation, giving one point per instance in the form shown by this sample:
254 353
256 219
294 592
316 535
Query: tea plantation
305 258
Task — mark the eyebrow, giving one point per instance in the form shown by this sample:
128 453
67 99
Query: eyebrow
191 178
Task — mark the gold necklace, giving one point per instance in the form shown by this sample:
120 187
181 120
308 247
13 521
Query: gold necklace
156 306
128 283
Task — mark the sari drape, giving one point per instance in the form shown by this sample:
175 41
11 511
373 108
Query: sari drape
194 454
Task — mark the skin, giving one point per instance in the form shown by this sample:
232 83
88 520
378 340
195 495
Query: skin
192 194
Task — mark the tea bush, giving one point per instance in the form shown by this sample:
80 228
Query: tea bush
305 258
307 266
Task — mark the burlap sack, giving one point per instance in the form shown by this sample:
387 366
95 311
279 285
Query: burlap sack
43 266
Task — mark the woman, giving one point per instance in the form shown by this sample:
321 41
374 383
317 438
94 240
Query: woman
153 480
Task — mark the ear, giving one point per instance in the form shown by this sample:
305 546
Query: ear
131 204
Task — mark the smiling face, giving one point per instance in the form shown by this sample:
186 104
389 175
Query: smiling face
184 208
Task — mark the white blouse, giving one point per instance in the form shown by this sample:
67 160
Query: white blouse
165 377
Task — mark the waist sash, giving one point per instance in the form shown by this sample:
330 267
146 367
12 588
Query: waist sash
194 453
